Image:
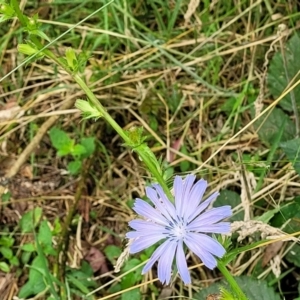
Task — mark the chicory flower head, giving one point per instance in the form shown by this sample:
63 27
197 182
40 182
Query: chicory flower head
185 222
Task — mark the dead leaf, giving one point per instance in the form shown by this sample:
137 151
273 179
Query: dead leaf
165 293
10 111
6 282
97 260
26 172
271 251
176 146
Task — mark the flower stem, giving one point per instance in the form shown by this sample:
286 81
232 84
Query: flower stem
151 166
230 279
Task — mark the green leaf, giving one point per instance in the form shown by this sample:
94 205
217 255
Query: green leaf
288 214
14 261
44 235
278 78
7 11
253 289
277 122
268 215
6 196
82 278
135 134
74 167
89 145
4 267
291 149
56 227
131 278
30 219
25 257
132 295
71 59
61 141
112 252
78 284
6 252
293 256
40 34
29 247
231 198
30 50
36 281
185 165
7 241
88 109
78 150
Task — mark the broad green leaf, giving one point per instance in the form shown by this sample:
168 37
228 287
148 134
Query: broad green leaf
6 241
74 167
29 247
44 235
112 252
291 149
4 267
78 284
231 198
78 150
89 145
131 295
6 252
61 141
82 278
36 281
131 278
25 257
253 289
293 255
288 214
30 219
281 73
14 261
277 122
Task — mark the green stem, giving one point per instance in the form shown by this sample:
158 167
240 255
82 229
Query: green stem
152 168
235 287
101 109
19 13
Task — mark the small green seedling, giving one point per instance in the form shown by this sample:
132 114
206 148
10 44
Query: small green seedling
67 146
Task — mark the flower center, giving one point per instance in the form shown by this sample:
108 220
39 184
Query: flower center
177 230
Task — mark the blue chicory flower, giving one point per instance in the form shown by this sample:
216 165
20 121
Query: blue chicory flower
185 222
